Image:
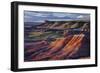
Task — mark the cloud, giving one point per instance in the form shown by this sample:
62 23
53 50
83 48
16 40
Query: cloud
80 16
61 15
37 14
41 15
84 17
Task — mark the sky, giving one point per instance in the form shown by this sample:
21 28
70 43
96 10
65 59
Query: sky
41 16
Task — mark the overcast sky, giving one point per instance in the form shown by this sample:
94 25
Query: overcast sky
38 16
